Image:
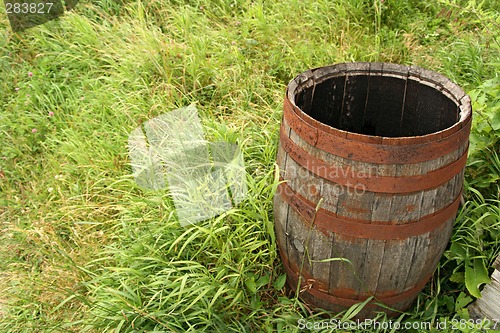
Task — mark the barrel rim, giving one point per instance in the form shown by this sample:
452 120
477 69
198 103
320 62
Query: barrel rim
423 76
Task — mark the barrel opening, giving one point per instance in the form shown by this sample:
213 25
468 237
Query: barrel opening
378 105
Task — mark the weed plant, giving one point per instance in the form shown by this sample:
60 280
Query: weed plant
83 249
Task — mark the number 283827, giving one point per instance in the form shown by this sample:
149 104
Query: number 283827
28 8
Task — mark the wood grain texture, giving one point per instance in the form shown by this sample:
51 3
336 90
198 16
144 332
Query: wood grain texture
488 306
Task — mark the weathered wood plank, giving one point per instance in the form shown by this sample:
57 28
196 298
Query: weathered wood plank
321 253
395 265
320 244
280 207
373 264
404 263
392 95
347 280
418 261
327 103
356 90
331 193
280 160
406 208
382 202
280 221
297 236
488 305
354 204
303 181
440 197
438 240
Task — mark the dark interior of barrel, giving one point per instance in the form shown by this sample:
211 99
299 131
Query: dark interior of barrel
378 105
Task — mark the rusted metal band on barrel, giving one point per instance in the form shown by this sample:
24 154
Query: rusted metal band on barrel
372 183
406 151
292 274
380 230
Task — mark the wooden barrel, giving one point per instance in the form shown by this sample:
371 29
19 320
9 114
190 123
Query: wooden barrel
372 157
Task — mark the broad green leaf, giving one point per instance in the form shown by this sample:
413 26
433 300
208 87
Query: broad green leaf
250 284
284 300
449 301
279 283
458 251
495 121
458 277
262 281
475 275
464 314
462 301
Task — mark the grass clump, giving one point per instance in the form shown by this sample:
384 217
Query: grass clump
84 249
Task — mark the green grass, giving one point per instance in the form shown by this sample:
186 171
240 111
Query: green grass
83 249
